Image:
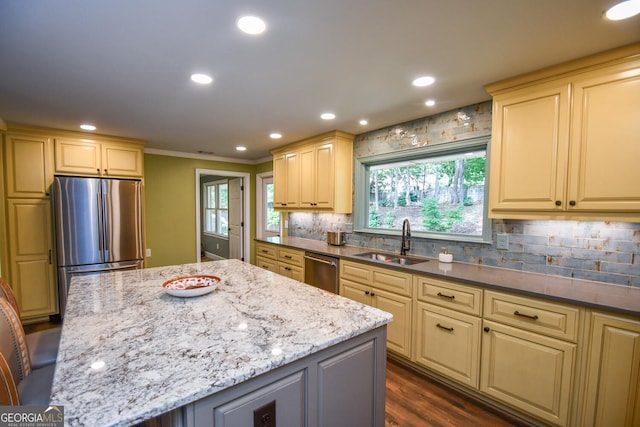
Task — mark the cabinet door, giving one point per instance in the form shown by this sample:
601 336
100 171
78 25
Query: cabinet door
529 371
448 342
355 291
29 163
286 181
347 389
612 394
604 141
529 149
308 177
324 177
32 273
399 330
122 160
78 157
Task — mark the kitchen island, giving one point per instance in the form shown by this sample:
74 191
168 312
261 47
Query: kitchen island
130 352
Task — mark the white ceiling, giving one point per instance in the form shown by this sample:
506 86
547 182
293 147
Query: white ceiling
124 65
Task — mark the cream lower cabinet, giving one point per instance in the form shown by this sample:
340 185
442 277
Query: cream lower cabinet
524 364
30 256
612 392
386 289
285 261
447 329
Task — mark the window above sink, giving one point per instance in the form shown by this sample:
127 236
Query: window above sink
441 189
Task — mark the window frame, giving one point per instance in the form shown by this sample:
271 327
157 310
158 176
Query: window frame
361 187
217 209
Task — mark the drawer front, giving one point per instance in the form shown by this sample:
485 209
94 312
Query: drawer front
360 273
392 280
291 256
291 271
266 250
551 319
464 298
267 264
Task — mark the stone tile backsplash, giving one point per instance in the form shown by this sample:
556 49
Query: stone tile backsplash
602 251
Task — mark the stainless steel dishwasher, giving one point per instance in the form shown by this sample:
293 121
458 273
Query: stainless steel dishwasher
321 271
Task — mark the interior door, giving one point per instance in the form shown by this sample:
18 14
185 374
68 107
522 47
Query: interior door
236 226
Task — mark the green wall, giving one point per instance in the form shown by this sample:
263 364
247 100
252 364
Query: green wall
170 205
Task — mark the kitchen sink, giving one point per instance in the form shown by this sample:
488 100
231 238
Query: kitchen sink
391 259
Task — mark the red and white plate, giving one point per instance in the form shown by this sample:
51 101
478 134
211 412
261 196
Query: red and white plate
191 286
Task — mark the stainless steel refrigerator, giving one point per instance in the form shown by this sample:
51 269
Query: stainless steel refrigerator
98 227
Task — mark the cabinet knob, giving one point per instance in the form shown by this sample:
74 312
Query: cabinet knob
558 202
98 170
487 329
572 202
367 292
372 294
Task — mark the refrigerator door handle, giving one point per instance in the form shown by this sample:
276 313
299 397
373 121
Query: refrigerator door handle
104 270
101 236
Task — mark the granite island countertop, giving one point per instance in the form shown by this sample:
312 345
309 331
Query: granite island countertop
622 299
130 352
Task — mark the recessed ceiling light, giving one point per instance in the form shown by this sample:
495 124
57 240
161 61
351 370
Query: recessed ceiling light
423 81
364 122
623 10
251 25
86 126
430 103
241 148
327 116
275 135
202 79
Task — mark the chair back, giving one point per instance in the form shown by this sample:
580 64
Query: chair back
13 342
7 293
8 391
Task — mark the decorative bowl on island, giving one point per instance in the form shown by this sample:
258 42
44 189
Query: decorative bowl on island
191 286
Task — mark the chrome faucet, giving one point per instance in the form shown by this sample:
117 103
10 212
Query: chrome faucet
406 237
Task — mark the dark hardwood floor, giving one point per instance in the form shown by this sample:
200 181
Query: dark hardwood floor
415 400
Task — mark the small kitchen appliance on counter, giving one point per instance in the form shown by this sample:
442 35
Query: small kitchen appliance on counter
336 238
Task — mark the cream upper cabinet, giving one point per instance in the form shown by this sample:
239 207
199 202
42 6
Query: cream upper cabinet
91 157
29 165
315 174
529 149
612 392
286 183
604 140
565 147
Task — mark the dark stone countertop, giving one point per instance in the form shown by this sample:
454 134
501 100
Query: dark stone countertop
622 299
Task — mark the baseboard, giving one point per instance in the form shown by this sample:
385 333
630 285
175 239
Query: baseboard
213 257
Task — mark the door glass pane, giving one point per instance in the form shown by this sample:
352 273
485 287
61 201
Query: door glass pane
223 226
224 196
272 218
210 221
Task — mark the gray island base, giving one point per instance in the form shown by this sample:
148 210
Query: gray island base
260 345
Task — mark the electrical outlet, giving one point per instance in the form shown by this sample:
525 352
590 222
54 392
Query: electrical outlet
148 252
265 416
348 227
502 241
217 245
